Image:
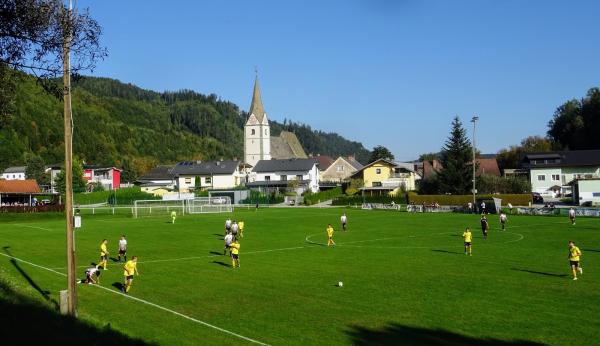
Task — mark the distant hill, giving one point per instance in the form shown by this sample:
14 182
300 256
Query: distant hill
127 126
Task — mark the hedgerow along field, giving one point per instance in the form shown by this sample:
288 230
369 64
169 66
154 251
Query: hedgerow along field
405 278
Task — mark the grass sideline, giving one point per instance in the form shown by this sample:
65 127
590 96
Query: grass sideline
405 278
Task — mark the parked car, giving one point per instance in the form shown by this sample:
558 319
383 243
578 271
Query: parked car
537 198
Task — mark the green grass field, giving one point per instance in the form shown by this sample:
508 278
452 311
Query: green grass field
406 279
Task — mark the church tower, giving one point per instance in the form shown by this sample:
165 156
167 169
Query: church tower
257 132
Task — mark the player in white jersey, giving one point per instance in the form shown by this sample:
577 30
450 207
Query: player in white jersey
503 219
227 225
123 248
234 228
482 207
572 216
89 275
228 240
344 220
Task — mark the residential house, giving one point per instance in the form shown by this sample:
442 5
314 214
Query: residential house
207 175
14 173
158 181
340 170
487 166
277 174
553 173
586 191
19 192
108 177
384 177
53 171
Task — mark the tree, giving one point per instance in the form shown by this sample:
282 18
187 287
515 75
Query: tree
456 156
35 168
429 156
576 123
381 152
32 33
79 182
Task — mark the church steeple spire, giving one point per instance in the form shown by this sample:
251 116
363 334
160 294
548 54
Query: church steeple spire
256 107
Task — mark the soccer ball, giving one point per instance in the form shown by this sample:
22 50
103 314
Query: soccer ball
340 284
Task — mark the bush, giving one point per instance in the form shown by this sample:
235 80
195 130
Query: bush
514 199
314 198
344 200
125 196
261 198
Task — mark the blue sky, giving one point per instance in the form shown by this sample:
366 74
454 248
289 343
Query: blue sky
384 72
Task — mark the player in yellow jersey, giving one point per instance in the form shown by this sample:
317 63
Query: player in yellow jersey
241 226
129 269
173 216
574 254
103 254
235 253
330 241
468 236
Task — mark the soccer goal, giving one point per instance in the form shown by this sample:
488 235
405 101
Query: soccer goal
154 207
221 204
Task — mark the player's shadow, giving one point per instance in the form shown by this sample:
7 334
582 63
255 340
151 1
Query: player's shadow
44 293
448 252
590 250
118 285
396 334
216 253
222 263
539 273
114 259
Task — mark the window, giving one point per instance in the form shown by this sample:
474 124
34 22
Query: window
299 177
376 184
339 168
541 177
555 177
378 171
284 177
267 178
208 180
253 132
265 131
188 180
595 194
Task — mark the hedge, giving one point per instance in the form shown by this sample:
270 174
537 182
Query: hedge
314 198
398 199
124 196
514 199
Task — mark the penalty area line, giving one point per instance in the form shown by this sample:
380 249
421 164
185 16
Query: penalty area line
139 300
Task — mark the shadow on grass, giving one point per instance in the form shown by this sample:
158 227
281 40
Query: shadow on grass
396 334
221 263
45 294
449 252
216 253
25 321
114 259
590 250
540 273
118 285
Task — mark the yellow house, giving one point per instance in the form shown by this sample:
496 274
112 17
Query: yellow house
387 177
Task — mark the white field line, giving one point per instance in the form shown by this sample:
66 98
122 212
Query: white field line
34 227
200 257
146 302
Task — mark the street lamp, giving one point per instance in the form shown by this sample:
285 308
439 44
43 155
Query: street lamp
474 121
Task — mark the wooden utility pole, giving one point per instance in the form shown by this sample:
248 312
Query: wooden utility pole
68 118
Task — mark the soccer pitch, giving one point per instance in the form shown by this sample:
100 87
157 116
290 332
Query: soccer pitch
406 278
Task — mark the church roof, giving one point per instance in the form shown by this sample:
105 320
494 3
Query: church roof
286 146
256 107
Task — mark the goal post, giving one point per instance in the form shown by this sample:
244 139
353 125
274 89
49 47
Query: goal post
200 205
157 207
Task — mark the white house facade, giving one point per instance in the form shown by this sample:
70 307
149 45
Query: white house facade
207 175
14 173
279 173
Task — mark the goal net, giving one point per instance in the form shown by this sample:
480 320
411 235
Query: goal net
158 207
221 204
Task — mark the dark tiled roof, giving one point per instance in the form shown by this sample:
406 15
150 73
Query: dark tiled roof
302 165
324 161
563 158
19 186
159 173
15 169
352 161
205 167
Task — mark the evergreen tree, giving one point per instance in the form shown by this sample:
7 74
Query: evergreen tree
456 156
79 182
381 152
35 169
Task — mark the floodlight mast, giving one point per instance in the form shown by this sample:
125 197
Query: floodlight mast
474 121
68 127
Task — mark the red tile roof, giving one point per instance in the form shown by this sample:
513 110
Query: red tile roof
324 161
19 186
488 167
